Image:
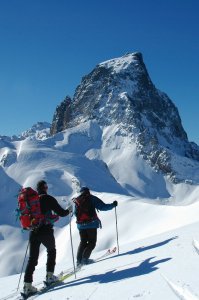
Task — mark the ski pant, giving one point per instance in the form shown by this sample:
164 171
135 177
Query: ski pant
45 236
88 239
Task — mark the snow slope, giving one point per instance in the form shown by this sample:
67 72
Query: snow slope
156 261
157 220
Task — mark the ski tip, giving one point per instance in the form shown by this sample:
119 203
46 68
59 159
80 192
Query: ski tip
112 250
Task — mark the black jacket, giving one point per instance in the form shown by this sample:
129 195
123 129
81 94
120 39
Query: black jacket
49 204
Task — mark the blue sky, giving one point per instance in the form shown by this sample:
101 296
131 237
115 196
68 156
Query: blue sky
48 45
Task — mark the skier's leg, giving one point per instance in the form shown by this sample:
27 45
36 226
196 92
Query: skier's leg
48 240
82 245
92 239
33 257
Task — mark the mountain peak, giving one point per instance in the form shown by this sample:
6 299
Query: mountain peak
120 91
121 64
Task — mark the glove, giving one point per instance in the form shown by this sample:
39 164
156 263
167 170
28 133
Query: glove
115 203
70 208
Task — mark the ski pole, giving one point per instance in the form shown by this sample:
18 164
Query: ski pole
23 264
118 249
71 241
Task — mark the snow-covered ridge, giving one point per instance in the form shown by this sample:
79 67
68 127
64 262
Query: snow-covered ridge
108 152
40 130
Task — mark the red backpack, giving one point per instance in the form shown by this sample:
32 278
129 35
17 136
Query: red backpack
85 210
29 210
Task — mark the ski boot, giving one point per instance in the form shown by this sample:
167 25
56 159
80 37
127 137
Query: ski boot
28 290
51 278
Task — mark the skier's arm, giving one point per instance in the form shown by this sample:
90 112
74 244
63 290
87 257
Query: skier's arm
54 205
99 204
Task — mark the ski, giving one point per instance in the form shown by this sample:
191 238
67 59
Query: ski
42 290
24 296
62 276
46 287
16 293
107 253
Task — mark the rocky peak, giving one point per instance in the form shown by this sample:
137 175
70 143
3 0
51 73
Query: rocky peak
120 91
130 67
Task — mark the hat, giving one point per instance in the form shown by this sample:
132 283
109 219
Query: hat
84 189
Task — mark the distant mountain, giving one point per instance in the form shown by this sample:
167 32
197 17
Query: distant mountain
120 91
40 130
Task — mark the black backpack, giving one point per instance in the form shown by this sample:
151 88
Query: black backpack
85 210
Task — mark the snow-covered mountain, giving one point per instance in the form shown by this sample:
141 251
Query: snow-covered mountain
40 130
120 92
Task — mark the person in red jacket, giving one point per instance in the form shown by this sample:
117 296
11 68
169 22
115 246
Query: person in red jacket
43 235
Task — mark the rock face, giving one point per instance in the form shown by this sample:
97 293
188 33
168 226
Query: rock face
61 116
120 91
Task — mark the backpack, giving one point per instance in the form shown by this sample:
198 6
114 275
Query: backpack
29 210
85 211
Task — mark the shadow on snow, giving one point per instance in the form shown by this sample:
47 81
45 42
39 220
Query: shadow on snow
142 249
149 247
145 267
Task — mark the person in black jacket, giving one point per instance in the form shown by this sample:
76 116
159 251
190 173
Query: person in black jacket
43 235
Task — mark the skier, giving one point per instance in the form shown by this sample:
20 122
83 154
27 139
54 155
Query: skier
43 235
88 222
